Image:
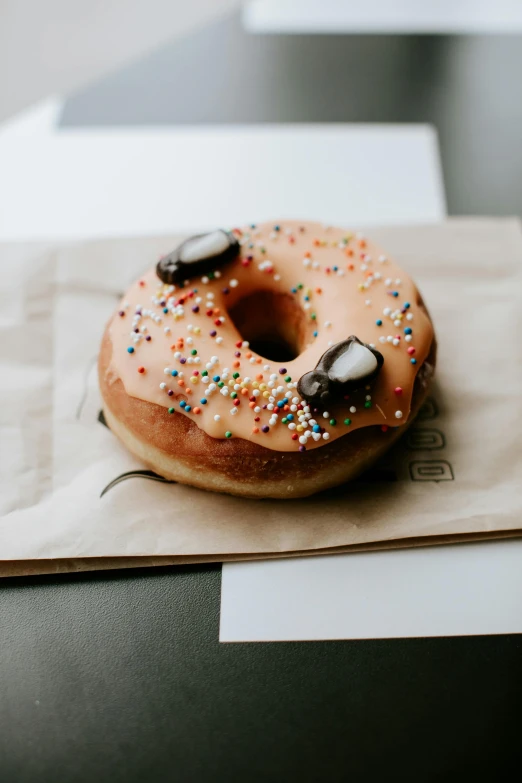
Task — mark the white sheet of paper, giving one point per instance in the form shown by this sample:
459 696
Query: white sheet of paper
466 589
79 184
383 16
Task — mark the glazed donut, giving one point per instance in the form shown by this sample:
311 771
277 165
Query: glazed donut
274 361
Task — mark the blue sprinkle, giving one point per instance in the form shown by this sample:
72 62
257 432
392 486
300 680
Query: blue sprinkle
315 334
294 290
378 322
335 268
280 404
203 400
130 349
285 400
165 309
395 293
290 416
188 408
406 305
307 298
216 378
407 330
413 361
252 225
174 373
316 428
182 404
277 228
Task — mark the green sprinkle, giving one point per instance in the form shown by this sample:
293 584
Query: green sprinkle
235 375
211 275
333 422
263 249
288 379
347 422
368 404
284 420
228 434
299 285
221 384
193 352
205 372
233 395
171 410
313 316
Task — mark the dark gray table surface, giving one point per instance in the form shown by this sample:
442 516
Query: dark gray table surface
120 676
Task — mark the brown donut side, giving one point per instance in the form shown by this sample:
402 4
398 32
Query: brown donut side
174 446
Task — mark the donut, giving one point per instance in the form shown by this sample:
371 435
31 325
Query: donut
273 361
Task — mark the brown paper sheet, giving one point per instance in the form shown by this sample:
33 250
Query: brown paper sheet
455 476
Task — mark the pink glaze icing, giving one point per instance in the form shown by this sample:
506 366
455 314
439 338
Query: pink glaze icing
349 283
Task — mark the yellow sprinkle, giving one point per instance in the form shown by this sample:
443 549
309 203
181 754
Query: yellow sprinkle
255 385
194 378
266 394
360 287
197 330
231 382
299 428
262 386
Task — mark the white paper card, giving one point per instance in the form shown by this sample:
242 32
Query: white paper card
101 183
438 591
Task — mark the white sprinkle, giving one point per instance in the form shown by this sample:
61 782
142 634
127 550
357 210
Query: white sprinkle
398 281
212 386
205 379
166 329
389 338
233 283
409 317
363 267
167 370
277 277
163 385
204 280
292 425
302 440
353 409
217 417
386 311
326 415
217 273
257 409
316 436
396 341
326 435
270 406
306 262
233 411
368 302
382 259
293 408
219 340
408 338
398 414
388 281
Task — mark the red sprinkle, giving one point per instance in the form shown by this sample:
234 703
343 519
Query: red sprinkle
411 350
141 369
398 390
384 428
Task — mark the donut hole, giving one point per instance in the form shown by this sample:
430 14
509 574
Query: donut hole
273 323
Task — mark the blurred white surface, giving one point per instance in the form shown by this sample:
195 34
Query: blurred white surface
59 45
434 591
383 16
80 184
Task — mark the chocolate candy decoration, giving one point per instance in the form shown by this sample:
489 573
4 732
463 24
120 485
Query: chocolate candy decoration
198 256
343 368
